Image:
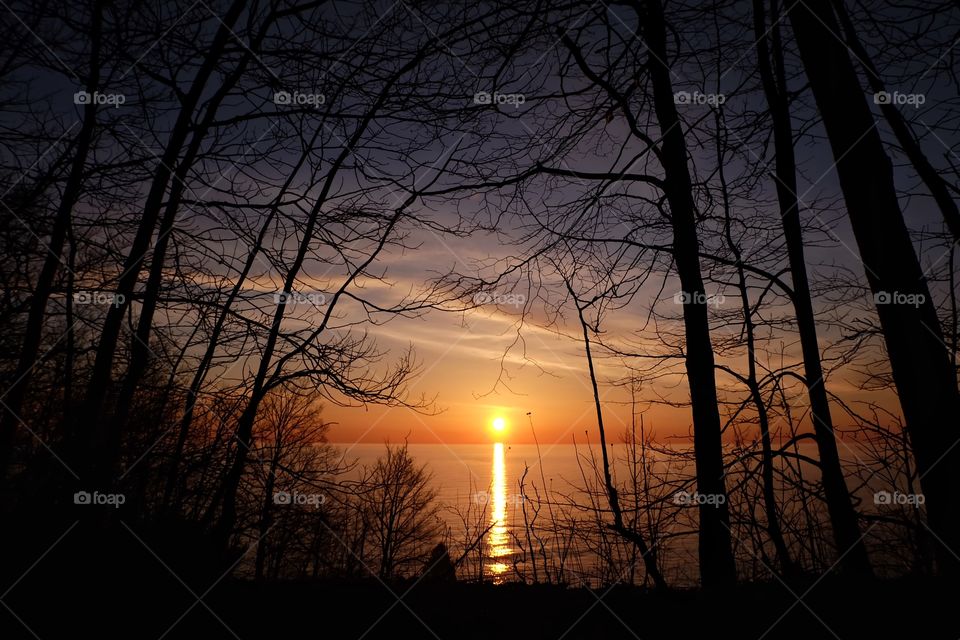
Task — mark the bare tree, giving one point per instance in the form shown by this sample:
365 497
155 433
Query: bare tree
33 330
843 518
924 376
398 508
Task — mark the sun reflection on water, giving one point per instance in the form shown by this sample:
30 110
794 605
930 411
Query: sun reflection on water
498 539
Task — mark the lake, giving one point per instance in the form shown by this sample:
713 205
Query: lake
530 533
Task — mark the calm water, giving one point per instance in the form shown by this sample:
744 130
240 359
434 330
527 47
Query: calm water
483 480
482 483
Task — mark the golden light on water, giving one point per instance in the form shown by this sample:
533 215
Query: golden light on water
498 539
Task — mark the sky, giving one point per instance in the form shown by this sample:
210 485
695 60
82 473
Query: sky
489 362
461 357
480 364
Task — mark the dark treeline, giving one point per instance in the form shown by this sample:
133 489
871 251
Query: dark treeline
745 209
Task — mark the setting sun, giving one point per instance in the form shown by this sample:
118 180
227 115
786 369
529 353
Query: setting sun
499 425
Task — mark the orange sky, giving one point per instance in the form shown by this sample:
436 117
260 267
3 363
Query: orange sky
461 362
463 366
460 356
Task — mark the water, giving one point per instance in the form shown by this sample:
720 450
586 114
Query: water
482 482
480 485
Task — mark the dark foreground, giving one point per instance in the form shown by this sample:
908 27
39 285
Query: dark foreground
121 590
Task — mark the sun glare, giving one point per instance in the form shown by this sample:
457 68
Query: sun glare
499 425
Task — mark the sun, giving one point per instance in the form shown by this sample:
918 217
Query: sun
499 425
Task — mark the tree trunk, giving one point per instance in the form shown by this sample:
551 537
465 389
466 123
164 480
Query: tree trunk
647 553
935 184
30 348
717 567
139 345
922 371
99 436
774 530
227 518
266 511
843 517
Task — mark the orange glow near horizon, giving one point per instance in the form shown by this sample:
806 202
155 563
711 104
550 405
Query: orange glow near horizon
461 370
